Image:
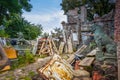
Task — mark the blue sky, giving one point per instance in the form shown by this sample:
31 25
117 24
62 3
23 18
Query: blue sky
46 12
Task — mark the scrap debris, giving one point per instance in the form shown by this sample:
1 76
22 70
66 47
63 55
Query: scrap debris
46 46
56 69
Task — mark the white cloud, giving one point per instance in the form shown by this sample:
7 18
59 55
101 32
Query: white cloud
48 20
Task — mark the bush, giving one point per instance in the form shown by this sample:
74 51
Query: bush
23 60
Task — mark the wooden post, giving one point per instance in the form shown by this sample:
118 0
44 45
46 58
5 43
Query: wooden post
83 13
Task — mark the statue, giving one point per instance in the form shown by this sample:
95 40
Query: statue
105 44
106 58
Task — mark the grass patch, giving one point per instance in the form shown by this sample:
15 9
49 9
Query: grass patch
26 78
23 60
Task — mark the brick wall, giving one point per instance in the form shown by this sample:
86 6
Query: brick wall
117 22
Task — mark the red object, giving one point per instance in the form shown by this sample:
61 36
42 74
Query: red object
96 76
77 65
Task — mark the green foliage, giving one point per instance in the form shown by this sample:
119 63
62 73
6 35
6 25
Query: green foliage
42 56
100 7
7 7
23 60
31 73
18 24
10 77
3 33
29 57
69 4
25 78
57 32
45 35
92 45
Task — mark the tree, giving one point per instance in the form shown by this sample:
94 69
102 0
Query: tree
69 4
18 24
7 7
45 35
57 33
100 7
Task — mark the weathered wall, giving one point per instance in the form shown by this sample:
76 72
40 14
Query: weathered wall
117 33
117 21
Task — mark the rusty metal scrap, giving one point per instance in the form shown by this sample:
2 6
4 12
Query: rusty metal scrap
56 69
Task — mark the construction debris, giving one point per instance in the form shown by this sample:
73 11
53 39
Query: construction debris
11 52
80 50
81 74
56 69
93 52
61 47
87 61
47 47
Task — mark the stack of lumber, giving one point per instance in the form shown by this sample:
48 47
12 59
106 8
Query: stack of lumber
89 59
46 46
80 50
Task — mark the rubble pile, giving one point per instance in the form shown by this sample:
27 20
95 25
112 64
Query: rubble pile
46 46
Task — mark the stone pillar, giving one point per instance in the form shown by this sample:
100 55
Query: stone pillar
65 36
117 33
83 14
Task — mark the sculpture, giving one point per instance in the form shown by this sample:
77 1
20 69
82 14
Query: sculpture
105 44
106 58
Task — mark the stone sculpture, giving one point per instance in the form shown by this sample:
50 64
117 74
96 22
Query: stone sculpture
106 58
105 44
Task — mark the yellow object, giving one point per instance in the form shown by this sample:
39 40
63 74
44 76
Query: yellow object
11 52
5 68
56 69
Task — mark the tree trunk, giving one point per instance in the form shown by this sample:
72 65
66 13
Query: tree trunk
117 33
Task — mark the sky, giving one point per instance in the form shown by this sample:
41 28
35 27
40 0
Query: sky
48 13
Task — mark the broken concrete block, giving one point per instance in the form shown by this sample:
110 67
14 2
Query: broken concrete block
81 74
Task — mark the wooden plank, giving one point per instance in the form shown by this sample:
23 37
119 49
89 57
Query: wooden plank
54 46
42 47
50 45
93 52
81 49
87 61
70 47
61 47
71 58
